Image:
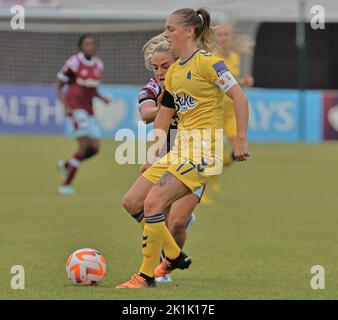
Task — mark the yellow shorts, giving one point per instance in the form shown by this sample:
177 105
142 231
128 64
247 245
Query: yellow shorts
229 121
193 175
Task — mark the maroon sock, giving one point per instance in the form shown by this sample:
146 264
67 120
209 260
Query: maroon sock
72 166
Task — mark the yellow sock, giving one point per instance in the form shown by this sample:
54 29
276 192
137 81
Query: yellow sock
170 247
153 235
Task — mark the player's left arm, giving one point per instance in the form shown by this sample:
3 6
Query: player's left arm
236 93
221 76
105 99
101 97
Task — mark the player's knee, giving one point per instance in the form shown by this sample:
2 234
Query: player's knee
129 204
90 152
152 204
176 224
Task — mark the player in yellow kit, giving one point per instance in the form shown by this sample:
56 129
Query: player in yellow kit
158 57
194 87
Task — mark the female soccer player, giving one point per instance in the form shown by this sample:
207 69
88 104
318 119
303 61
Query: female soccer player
158 57
82 72
194 87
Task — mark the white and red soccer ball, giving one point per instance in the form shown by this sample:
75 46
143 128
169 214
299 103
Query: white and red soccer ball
86 267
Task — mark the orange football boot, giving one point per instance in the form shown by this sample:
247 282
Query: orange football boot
137 282
167 265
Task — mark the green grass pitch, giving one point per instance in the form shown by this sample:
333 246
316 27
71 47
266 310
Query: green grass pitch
276 217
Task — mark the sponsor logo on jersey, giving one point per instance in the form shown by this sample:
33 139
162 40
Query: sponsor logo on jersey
89 83
220 68
189 75
183 102
84 72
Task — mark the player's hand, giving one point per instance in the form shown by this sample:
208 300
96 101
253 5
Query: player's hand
106 100
241 150
144 167
248 81
68 110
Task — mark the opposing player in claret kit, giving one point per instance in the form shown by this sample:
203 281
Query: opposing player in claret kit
82 73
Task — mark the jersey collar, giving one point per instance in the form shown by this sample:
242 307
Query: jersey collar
85 61
181 63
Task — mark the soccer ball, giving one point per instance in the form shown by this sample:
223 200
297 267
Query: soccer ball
86 267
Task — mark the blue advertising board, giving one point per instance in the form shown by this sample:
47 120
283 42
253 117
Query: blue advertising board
36 110
275 114
30 109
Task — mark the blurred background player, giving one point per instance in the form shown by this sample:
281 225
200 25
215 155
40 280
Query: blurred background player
82 73
226 49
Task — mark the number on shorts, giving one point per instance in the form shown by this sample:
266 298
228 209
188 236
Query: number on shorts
192 167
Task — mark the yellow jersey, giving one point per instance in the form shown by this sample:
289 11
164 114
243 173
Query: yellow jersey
197 85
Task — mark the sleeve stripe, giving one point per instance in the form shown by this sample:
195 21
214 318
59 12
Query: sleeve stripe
61 76
146 100
168 100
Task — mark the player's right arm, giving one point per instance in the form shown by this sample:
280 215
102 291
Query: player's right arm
167 109
63 77
59 92
148 111
148 101
161 126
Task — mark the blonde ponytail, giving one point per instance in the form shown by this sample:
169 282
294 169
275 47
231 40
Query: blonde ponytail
158 43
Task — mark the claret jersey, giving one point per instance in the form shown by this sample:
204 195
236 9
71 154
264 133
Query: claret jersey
83 77
151 92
